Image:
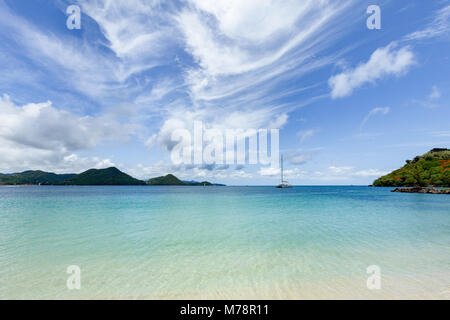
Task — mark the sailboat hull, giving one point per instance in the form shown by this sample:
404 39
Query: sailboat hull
284 185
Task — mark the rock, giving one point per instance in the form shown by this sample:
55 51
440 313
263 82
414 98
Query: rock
422 190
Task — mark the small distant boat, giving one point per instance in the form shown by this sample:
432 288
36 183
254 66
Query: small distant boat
283 184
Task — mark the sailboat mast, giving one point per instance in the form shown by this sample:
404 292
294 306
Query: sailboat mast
282 179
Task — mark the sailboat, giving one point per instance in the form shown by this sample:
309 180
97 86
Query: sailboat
284 184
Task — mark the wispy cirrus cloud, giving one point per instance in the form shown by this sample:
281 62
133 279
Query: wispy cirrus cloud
307 134
373 112
440 26
240 64
301 159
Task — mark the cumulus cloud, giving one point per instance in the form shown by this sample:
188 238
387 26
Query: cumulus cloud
383 62
269 171
375 111
40 134
371 173
42 126
182 118
344 173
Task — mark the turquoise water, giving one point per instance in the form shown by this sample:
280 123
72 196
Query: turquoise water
222 242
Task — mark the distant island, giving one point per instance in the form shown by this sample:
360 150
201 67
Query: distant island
171 180
431 169
109 176
93 177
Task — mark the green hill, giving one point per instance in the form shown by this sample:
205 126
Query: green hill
110 176
429 169
169 180
104 177
92 177
34 178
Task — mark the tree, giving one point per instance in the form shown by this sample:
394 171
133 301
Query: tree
416 176
446 178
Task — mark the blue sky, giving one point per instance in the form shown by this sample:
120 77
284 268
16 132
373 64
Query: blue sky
351 103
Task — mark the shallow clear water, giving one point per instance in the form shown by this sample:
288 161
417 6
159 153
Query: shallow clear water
223 242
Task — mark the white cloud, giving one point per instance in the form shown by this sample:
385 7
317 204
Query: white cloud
343 173
138 31
225 36
184 118
40 134
244 48
269 171
199 173
237 64
375 111
75 164
41 126
300 159
279 122
135 32
383 62
150 142
340 170
255 20
371 173
243 58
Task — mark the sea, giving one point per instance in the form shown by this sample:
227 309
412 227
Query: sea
142 242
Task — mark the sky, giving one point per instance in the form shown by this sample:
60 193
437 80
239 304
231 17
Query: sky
351 103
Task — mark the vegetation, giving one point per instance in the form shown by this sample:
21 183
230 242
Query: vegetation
105 177
110 176
430 169
34 178
171 180
92 177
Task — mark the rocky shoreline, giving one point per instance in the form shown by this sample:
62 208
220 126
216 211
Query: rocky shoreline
422 190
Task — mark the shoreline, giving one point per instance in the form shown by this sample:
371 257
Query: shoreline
423 190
